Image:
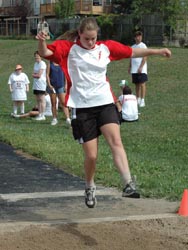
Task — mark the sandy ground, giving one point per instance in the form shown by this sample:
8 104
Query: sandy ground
152 234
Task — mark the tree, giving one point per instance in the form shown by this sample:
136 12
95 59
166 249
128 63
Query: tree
121 6
64 8
169 9
21 9
106 24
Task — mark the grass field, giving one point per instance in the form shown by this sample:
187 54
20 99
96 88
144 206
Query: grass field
157 145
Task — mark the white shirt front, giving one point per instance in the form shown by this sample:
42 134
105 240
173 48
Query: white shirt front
18 84
135 62
40 83
129 107
87 69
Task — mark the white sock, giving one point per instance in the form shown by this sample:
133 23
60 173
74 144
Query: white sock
22 108
15 109
126 178
90 184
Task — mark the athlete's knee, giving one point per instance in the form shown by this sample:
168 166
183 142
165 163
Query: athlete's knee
92 157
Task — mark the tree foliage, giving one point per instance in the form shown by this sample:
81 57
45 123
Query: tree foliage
106 23
21 9
170 9
64 8
123 6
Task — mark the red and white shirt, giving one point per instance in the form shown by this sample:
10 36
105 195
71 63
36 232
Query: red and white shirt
86 70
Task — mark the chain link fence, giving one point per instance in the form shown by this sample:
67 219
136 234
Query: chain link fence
12 29
122 30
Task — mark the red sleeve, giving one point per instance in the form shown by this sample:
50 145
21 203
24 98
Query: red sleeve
60 49
118 50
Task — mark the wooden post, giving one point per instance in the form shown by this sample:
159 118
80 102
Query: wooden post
6 27
18 23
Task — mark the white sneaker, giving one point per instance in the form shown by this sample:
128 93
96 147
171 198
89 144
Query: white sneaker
54 122
142 103
68 121
138 101
90 199
40 118
16 116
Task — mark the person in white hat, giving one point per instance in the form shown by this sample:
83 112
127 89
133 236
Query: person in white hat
19 86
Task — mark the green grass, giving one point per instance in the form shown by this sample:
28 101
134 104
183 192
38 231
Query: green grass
157 145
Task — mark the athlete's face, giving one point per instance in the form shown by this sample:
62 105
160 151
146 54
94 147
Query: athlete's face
88 38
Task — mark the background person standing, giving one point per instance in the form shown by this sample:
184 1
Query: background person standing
19 86
44 27
39 85
57 87
138 69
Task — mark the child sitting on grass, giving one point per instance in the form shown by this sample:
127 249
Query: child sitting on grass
128 106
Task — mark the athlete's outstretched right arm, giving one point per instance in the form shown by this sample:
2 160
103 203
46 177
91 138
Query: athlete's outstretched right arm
42 47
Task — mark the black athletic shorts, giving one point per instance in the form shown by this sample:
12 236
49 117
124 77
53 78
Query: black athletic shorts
139 78
86 122
38 92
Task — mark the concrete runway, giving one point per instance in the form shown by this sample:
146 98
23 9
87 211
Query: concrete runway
32 191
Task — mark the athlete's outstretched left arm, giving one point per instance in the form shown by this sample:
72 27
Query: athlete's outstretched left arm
139 52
